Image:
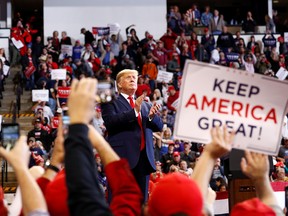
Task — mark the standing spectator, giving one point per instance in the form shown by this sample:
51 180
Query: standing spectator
28 62
225 40
283 152
107 55
51 49
158 175
150 69
130 124
88 36
173 97
206 16
193 45
77 50
66 40
37 48
194 15
216 23
173 18
270 25
56 41
218 171
249 61
262 64
208 42
249 24
40 134
160 55
252 43
168 39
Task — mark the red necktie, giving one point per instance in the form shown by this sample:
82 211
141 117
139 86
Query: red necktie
132 104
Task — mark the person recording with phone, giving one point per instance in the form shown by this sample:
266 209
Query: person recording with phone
130 123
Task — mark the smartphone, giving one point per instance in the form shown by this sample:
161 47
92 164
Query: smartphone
10 135
105 92
65 125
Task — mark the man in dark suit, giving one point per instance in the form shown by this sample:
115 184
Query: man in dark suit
130 124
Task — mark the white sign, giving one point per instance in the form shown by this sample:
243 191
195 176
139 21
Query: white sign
252 105
114 28
40 95
6 69
66 50
282 73
58 74
17 43
286 37
164 76
1 118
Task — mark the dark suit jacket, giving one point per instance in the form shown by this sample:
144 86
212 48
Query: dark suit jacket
124 133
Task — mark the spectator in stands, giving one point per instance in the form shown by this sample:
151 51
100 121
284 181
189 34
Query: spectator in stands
115 43
158 175
106 54
252 43
249 23
168 39
160 55
188 155
270 26
65 40
283 152
249 61
218 171
36 156
262 64
127 63
167 118
37 48
167 158
173 97
173 18
40 134
77 50
173 66
208 43
56 41
238 38
280 175
185 54
88 36
51 49
220 182
193 45
1 80
206 16
28 68
150 69
225 40
194 15
185 169
134 37
216 23
174 164
82 69
181 40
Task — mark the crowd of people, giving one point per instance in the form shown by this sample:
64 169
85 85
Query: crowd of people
138 124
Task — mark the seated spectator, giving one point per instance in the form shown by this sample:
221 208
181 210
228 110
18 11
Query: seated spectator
280 175
220 182
167 158
184 169
158 175
188 155
252 43
262 64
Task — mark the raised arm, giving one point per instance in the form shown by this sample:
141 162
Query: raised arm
18 157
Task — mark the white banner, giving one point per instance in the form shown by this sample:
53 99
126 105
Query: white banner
282 73
164 76
114 28
252 105
67 50
17 43
40 95
286 37
6 69
58 74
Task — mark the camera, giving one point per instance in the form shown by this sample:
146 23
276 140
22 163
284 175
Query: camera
10 135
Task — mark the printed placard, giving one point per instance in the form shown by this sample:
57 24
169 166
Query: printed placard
286 37
40 95
100 31
252 105
67 50
63 92
164 76
58 74
282 73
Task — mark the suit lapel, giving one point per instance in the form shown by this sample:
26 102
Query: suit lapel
124 102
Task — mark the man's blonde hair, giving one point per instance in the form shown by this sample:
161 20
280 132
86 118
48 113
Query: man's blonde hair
123 72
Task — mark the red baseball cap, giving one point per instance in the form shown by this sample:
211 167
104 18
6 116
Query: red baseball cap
252 207
175 193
